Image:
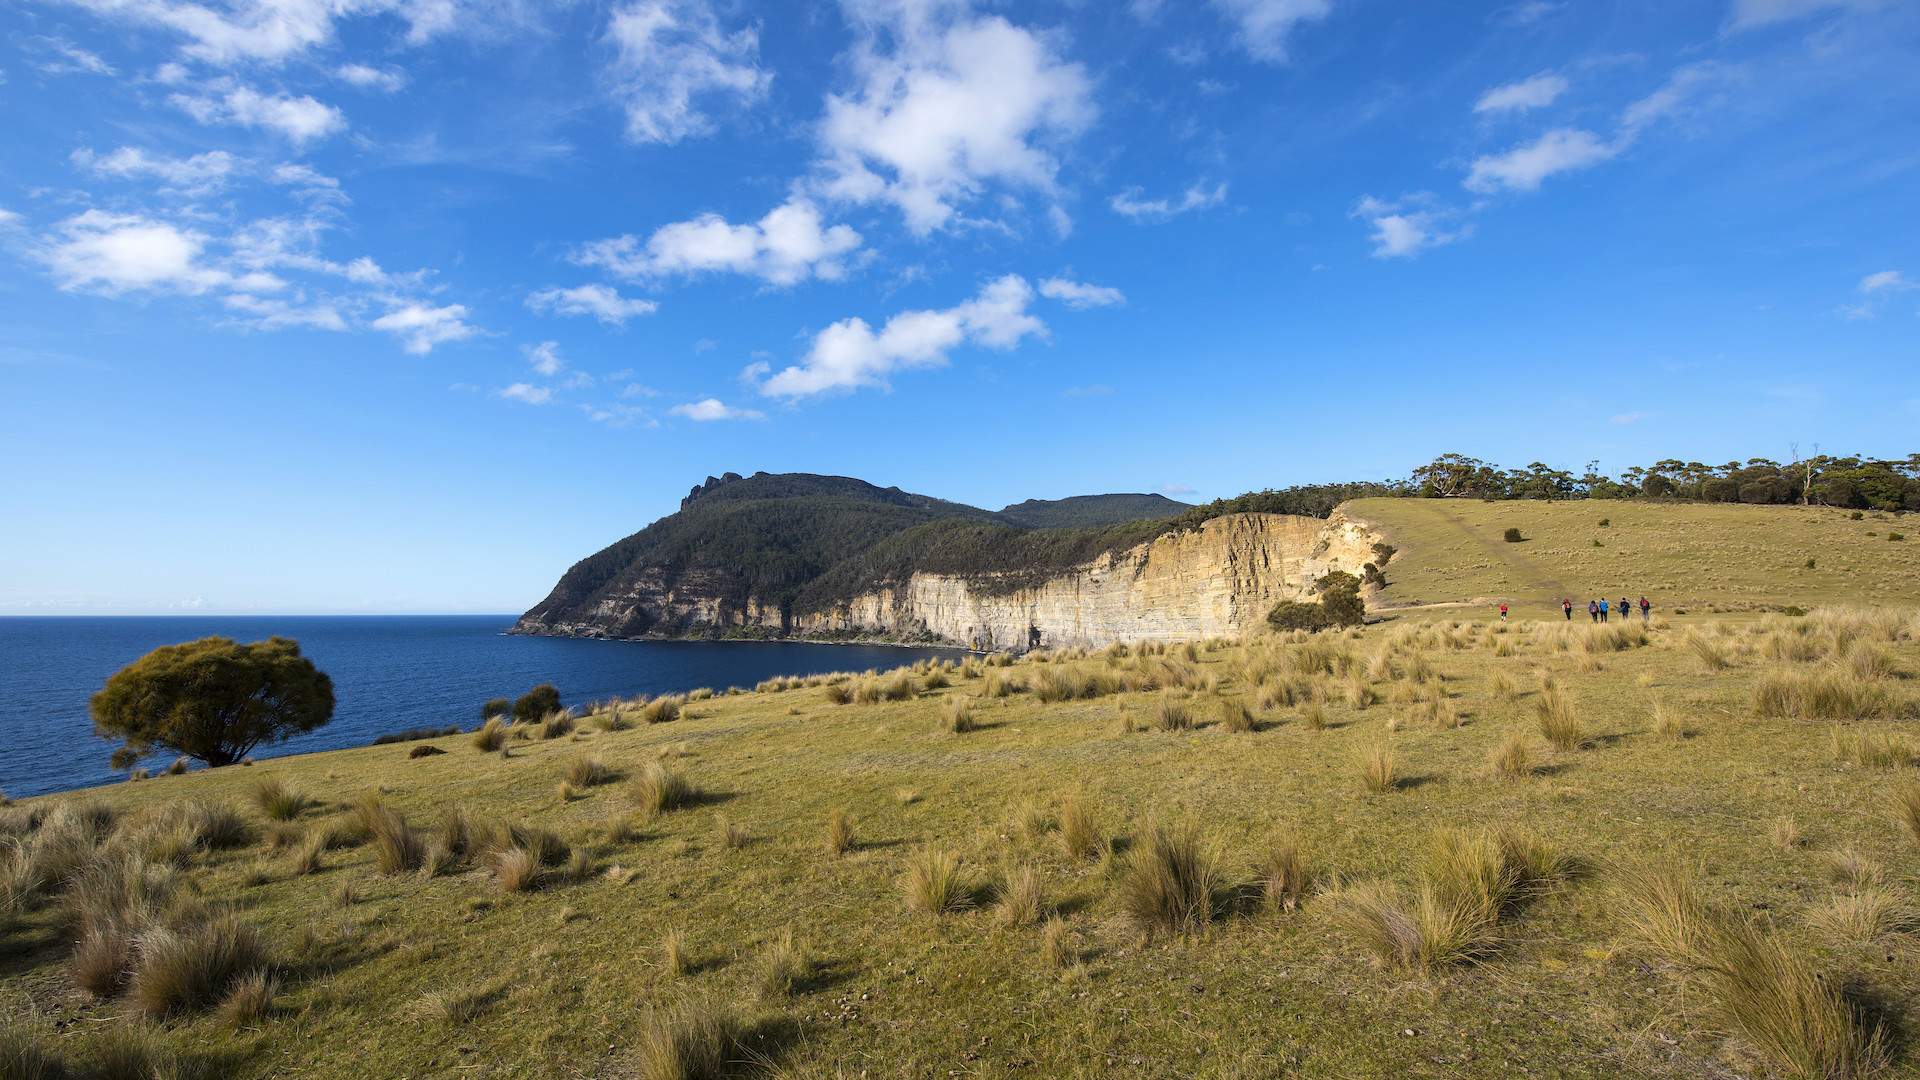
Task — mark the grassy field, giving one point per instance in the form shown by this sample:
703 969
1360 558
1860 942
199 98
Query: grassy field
1726 557
1130 897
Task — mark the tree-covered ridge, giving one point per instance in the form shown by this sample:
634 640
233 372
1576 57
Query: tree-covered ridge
1090 511
1852 482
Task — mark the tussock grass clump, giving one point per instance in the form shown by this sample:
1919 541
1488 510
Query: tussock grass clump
673 954
1001 685
309 857
28 1053
1905 803
956 717
1865 915
1284 877
1234 716
1856 869
1018 901
1512 759
193 969
250 999
455 1008
586 772
1170 714
278 801
1871 749
1080 833
397 848
840 693
1058 949
1169 882
1787 834
1711 654
1314 716
491 737
1559 721
695 1040
899 686
517 869
935 883
656 789
1668 724
661 710
840 839
1825 693
557 725
1500 686
1757 985
784 966
731 834
1471 880
1377 768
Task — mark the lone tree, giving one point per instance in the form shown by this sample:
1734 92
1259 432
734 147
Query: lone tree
536 703
213 699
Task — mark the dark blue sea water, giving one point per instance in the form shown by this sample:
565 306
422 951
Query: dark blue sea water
389 673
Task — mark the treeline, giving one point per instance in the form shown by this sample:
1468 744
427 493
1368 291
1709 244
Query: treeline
1848 482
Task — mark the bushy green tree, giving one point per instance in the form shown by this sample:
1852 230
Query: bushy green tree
536 703
1339 605
214 699
495 707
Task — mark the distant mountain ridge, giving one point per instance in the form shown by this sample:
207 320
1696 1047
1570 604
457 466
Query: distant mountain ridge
757 549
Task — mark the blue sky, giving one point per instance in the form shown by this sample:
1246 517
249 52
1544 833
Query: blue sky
404 305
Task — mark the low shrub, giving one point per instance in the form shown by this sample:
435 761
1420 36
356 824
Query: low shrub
1512 536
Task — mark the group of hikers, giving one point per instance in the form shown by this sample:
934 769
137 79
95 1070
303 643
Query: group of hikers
1599 610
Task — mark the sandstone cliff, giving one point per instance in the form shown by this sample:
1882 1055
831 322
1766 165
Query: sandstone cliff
1218 579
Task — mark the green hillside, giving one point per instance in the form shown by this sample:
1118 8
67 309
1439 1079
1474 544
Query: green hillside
1692 555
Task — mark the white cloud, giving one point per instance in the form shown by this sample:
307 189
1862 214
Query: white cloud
272 31
8 218
526 393
617 415
1263 26
673 61
196 174
545 358
1526 13
1199 196
1679 95
300 119
370 78
1887 281
947 103
274 313
850 354
115 253
1536 92
308 182
711 409
1079 295
420 327
1405 228
785 247
70 59
1524 167
1751 14
600 301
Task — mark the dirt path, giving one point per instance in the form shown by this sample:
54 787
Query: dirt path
1511 556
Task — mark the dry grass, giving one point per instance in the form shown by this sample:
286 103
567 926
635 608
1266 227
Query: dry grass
586 772
1865 915
695 1040
935 884
1512 759
784 966
839 838
1058 948
1559 721
1786 833
397 848
1234 716
956 717
1169 881
1871 749
673 954
278 801
656 789
250 999
1905 803
492 736
1170 714
1826 693
1668 724
1018 900
193 969
1080 833
1284 877
1378 769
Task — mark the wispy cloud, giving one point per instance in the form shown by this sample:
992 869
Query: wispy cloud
1079 295
709 410
1536 92
674 64
1133 204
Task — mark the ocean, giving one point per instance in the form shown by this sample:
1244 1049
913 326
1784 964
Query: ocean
389 673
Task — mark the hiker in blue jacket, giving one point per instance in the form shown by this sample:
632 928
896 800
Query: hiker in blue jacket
1603 609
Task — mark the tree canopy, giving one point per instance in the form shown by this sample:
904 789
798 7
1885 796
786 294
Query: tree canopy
214 699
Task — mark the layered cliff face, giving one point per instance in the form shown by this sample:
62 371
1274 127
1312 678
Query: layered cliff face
1218 579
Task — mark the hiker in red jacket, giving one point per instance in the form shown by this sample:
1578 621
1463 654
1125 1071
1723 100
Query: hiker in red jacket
1646 611
1566 606
1503 611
